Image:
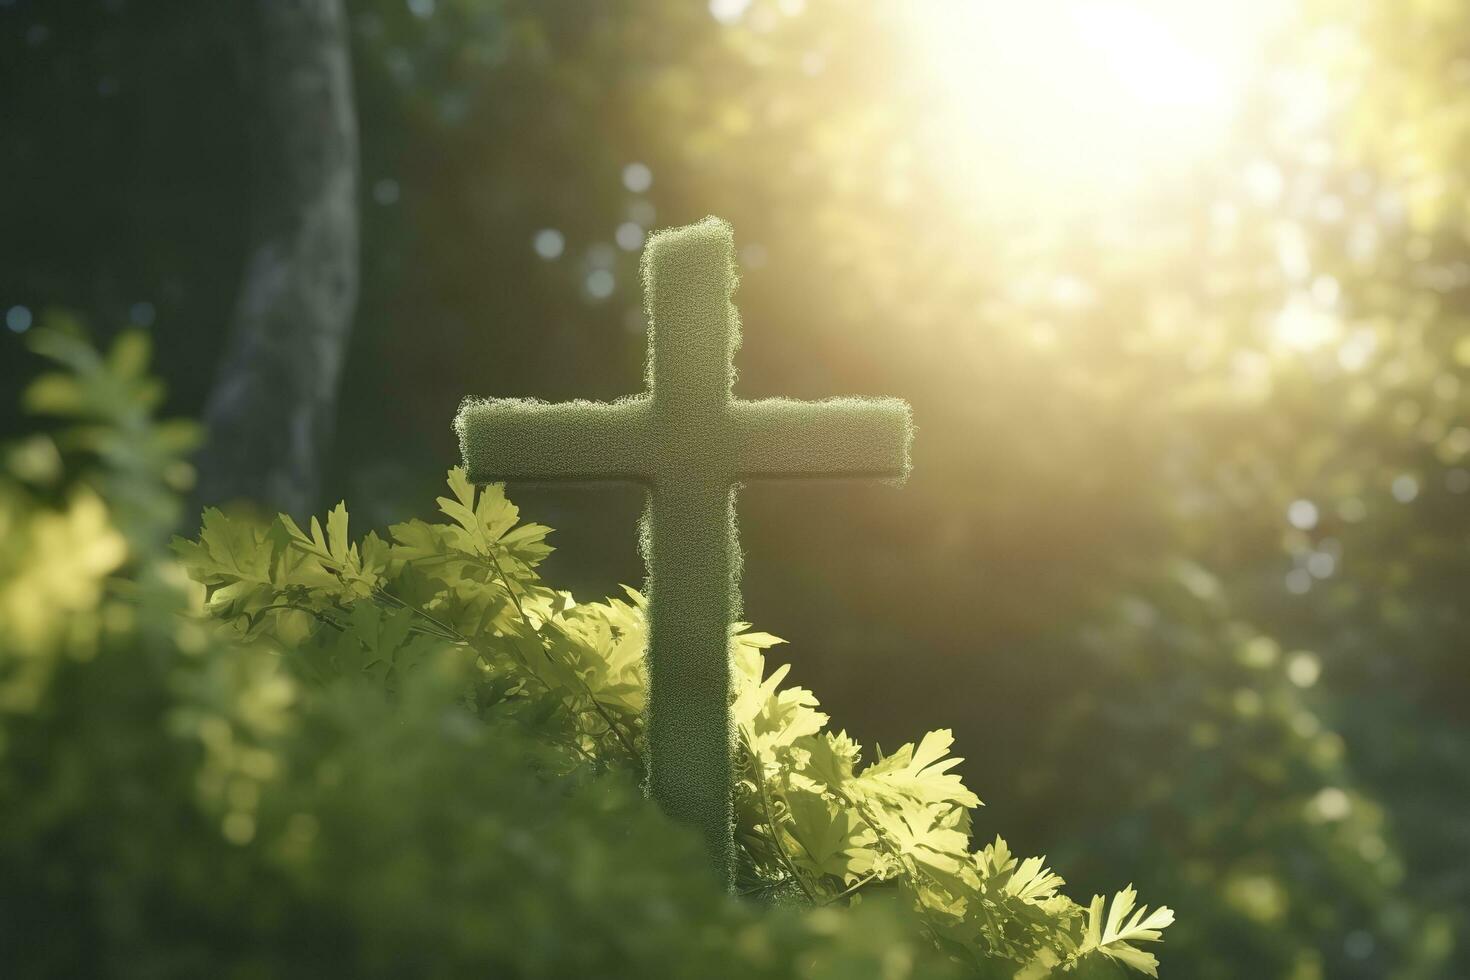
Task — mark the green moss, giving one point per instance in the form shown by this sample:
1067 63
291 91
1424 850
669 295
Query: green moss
691 442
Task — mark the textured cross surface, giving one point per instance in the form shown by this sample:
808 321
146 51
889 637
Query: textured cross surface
691 442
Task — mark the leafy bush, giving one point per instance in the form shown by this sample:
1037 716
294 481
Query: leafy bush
409 755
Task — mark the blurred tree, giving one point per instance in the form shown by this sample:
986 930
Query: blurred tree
273 407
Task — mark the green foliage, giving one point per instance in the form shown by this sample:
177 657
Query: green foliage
690 440
408 754
814 825
179 799
1100 398
108 401
1287 849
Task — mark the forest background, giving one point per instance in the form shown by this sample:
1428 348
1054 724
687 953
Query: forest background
1181 559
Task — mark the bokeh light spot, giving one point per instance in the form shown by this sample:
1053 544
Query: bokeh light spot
637 177
600 284
18 319
1303 669
728 11
1331 803
385 191
629 236
1302 514
549 243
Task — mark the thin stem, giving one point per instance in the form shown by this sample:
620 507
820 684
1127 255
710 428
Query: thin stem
760 784
852 889
764 886
509 590
445 630
254 618
596 705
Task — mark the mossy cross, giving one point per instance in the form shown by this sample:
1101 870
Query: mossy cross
691 442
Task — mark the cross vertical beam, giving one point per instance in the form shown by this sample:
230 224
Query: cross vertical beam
690 442
688 536
693 559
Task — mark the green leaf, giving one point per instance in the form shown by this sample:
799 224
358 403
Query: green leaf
318 539
338 543
417 540
494 513
128 358
297 535
234 547
833 839
295 567
830 759
920 774
54 394
1115 937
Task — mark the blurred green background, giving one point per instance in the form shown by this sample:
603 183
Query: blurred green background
1180 293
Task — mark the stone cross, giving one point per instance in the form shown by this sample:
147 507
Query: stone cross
691 442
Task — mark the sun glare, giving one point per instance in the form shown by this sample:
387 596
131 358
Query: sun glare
1075 100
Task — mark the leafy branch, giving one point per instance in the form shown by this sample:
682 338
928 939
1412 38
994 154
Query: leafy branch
627 743
472 582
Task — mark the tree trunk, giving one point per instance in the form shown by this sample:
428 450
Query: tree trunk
271 412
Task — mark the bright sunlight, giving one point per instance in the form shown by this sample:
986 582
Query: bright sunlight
1072 100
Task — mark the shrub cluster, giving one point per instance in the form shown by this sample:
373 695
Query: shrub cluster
408 755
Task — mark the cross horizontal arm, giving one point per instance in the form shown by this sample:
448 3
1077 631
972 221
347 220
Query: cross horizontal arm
525 439
781 437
